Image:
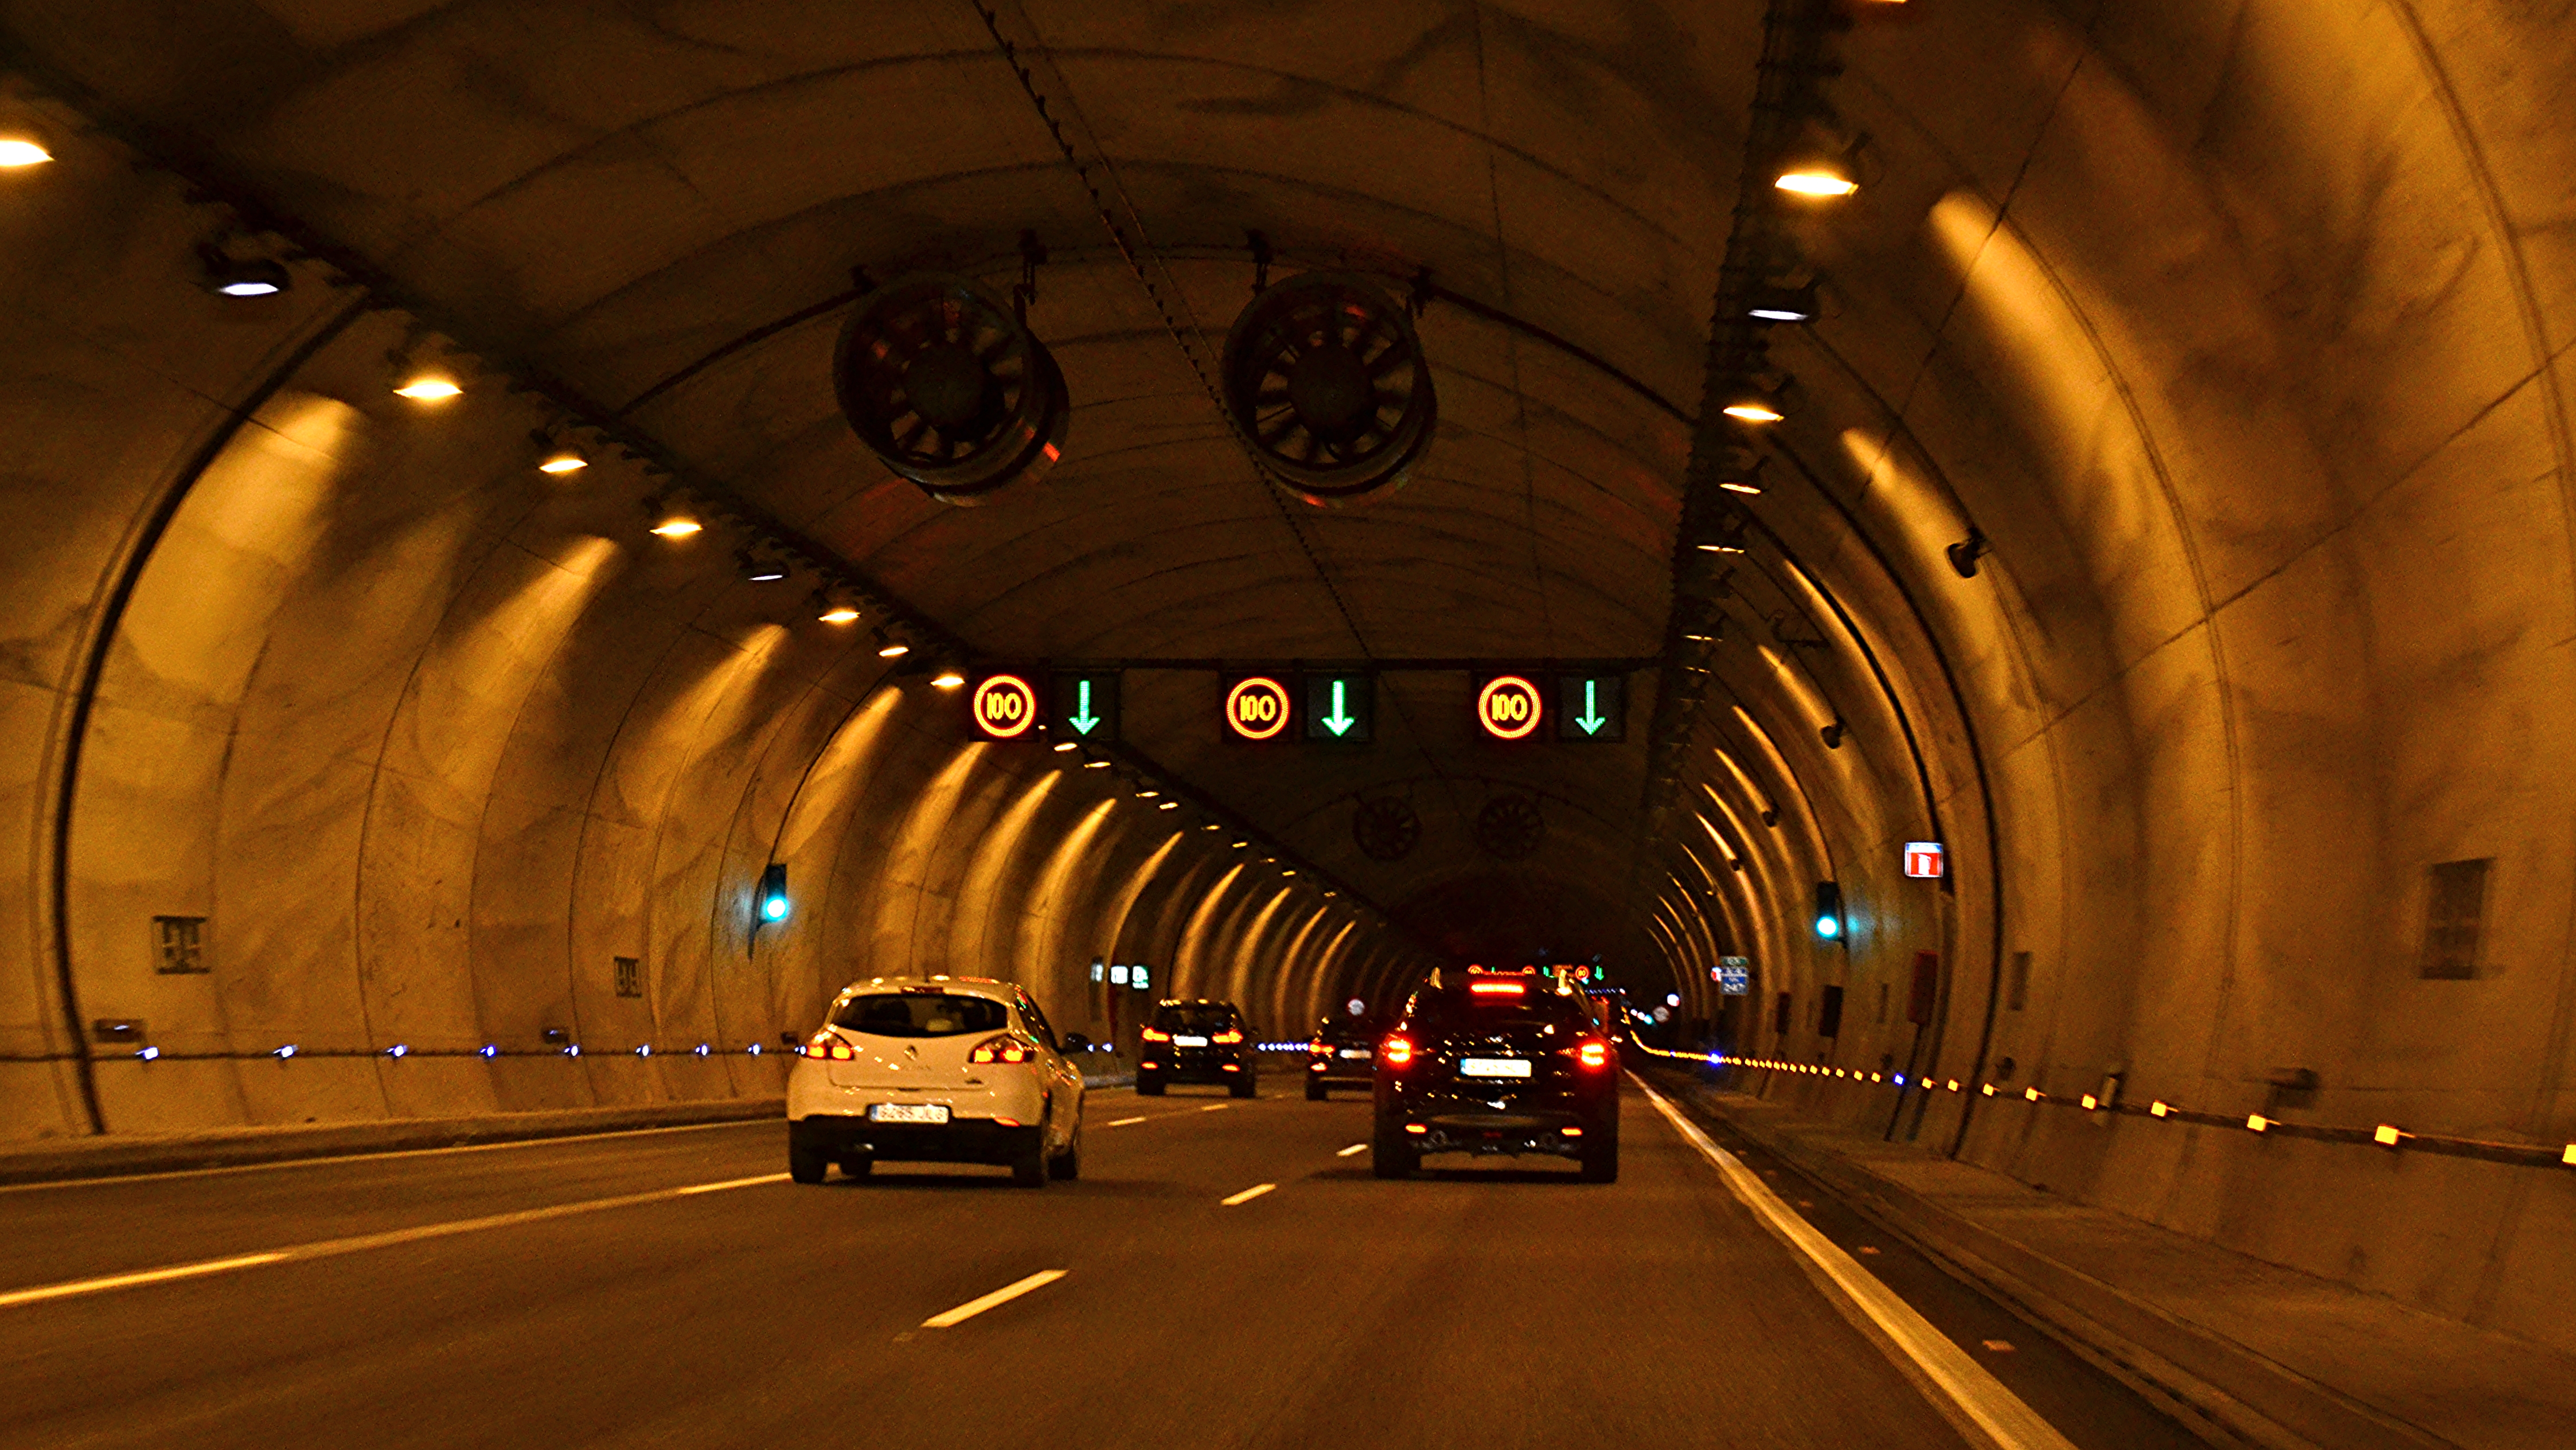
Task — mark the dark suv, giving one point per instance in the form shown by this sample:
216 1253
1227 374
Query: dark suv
1482 1063
1344 1054
1199 1041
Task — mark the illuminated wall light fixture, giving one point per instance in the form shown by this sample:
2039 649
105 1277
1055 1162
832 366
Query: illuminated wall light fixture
1095 765
947 680
891 649
1782 304
1063 747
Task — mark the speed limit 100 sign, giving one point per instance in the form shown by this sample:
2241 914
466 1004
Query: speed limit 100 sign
1509 707
1005 707
1257 708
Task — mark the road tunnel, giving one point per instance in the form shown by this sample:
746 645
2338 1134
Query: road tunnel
2001 569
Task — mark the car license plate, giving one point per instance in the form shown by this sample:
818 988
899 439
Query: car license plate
1360 1052
1494 1067
908 1113
1189 1042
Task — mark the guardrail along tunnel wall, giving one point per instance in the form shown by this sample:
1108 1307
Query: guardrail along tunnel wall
2236 337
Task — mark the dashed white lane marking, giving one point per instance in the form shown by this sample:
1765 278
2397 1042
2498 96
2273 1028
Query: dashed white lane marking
1354 1148
1216 1107
1982 1398
1123 1122
998 1297
1247 1195
328 1248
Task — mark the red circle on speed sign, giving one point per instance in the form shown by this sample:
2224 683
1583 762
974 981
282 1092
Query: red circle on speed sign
1256 708
1508 707
1005 707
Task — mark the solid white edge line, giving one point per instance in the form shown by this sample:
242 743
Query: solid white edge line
329 1248
1354 1148
1003 1295
1247 1195
126 1281
2001 1414
327 1160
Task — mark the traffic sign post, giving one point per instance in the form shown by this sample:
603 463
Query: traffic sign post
1592 709
1258 708
1084 706
1003 706
1341 708
1734 976
1510 707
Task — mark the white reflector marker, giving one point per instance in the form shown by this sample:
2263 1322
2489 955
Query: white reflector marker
1969 1386
1247 1195
994 1300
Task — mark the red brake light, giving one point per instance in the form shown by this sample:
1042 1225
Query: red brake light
1004 1048
1153 1036
1396 1052
1593 1054
1228 1035
825 1044
1499 989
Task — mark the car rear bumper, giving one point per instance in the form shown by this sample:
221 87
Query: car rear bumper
960 1140
1190 1066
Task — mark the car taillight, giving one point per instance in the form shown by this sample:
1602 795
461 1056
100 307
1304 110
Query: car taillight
1396 1052
1153 1036
1005 1048
1228 1035
1593 1054
1320 1047
1499 989
824 1044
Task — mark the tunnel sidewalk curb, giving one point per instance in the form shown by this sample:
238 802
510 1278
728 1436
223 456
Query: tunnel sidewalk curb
2228 1392
121 1156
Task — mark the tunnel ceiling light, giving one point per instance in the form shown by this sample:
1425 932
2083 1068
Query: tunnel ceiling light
1239 845
226 275
760 569
1095 765
1212 826
20 149
670 521
1818 171
1146 795
891 649
1169 806
1782 304
1064 746
1748 404
838 614
947 680
428 385
562 459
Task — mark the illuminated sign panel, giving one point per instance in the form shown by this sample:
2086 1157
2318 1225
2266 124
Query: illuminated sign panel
1592 708
1509 707
1924 860
1084 706
1004 707
1734 976
1258 707
1341 708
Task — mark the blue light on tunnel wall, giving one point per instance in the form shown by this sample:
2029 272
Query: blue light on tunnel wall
773 893
1829 910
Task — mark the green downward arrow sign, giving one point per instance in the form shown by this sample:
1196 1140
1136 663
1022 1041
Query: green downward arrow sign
1341 720
1082 719
1591 719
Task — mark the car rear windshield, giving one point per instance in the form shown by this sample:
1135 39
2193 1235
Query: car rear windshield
1194 1019
921 1014
1352 1029
1455 1007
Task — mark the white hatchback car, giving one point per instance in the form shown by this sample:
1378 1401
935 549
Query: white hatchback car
934 1069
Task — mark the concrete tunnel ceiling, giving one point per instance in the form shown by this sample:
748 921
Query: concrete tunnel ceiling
2235 336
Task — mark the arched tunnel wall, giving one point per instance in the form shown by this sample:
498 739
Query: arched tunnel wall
429 742
2245 342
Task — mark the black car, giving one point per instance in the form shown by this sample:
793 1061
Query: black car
1483 1063
1343 1053
1199 1041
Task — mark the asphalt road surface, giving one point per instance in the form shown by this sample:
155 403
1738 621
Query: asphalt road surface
671 1288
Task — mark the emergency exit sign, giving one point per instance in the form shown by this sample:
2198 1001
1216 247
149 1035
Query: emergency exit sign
1924 860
